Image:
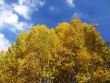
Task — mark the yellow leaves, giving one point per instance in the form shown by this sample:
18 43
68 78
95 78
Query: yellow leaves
2 54
57 55
83 77
83 54
21 42
47 74
97 58
101 75
43 39
21 62
62 27
75 21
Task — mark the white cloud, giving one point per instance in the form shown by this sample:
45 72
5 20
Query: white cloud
22 25
2 2
10 20
21 2
80 15
8 17
26 7
52 8
32 3
4 43
70 3
22 10
19 26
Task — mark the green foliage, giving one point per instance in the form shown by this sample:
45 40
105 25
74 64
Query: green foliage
70 53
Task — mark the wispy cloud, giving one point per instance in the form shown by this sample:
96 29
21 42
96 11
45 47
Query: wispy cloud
32 3
53 9
79 15
9 18
4 42
9 14
70 3
22 10
1 2
26 7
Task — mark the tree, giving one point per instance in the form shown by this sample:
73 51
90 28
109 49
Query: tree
69 53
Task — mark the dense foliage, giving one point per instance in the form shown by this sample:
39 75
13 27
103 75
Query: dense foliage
69 53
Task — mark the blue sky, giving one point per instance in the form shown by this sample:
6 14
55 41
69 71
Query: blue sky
20 15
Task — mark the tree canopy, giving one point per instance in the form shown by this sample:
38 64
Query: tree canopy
69 53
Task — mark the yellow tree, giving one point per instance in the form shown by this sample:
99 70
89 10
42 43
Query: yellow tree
90 53
36 50
69 53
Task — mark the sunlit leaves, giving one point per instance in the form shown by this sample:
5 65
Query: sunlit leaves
69 53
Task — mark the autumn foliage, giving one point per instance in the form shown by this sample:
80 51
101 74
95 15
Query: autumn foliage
69 53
